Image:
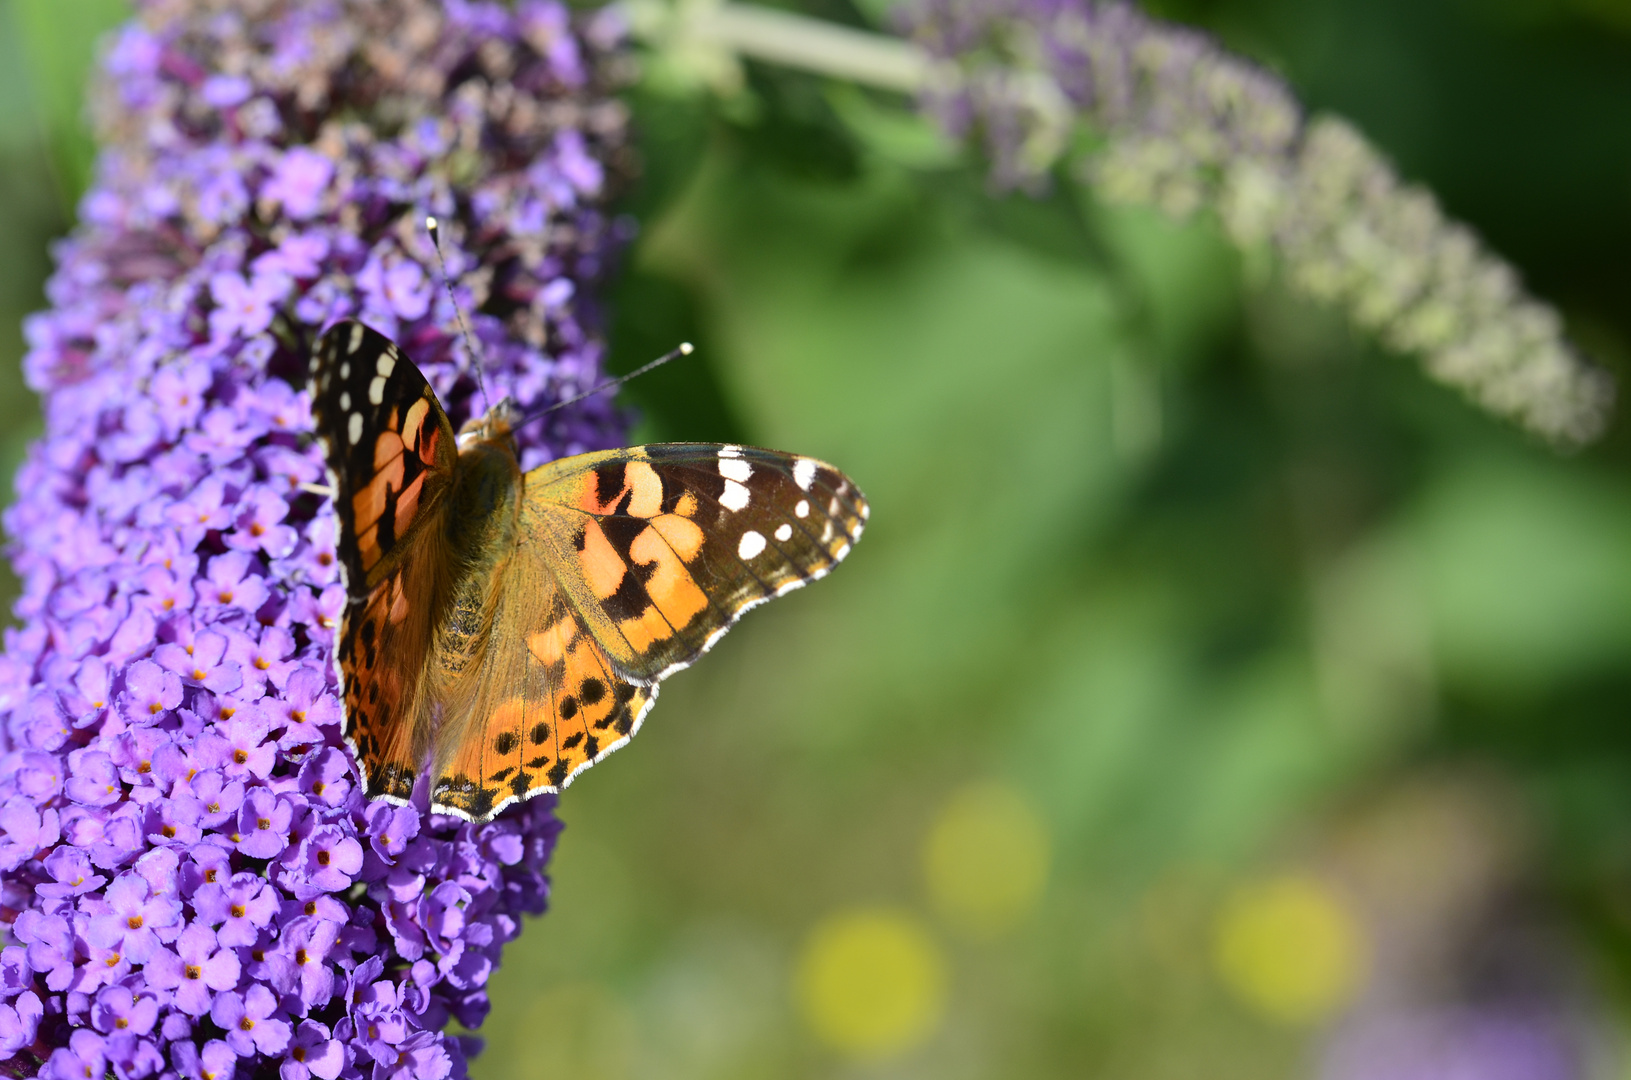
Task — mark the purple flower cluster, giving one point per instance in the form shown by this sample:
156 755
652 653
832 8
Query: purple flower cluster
1501 1041
1157 114
193 883
1157 94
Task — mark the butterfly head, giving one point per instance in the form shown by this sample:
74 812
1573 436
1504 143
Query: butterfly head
496 426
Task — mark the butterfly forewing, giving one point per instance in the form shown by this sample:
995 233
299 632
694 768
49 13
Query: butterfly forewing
391 458
390 446
675 540
544 704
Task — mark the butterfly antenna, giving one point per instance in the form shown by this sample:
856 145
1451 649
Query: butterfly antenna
434 227
684 348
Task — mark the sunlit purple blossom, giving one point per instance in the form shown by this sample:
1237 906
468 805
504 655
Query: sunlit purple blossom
192 881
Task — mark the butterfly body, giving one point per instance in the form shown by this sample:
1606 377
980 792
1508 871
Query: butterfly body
505 629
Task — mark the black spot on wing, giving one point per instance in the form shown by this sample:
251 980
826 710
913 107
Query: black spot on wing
621 532
609 480
481 803
465 795
673 489
631 599
622 717
385 536
683 467
393 780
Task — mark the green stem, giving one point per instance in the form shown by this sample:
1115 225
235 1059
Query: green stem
781 37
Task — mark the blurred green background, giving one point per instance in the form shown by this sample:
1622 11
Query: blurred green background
1212 695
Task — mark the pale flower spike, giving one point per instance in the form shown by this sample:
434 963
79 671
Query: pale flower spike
1154 114
1177 123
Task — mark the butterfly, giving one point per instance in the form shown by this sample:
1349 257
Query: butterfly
507 630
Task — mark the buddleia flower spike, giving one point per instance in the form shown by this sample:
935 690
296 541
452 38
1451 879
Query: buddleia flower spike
192 878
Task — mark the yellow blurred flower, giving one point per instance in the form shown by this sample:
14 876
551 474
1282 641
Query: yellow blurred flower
871 983
1290 948
986 859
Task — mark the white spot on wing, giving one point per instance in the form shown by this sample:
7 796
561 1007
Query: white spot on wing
735 496
345 401
354 429
802 509
386 364
804 471
356 338
734 468
345 369
784 532
752 543
730 451
376 390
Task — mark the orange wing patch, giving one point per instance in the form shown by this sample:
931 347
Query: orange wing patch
662 549
540 714
386 507
602 567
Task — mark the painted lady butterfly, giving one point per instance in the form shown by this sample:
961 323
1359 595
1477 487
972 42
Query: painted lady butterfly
510 629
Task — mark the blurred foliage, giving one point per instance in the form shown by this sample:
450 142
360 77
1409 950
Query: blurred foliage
57 44
1203 673
45 158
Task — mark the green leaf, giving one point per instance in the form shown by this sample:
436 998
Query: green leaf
58 45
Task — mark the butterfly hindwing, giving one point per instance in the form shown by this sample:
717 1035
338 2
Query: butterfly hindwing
385 642
545 701
391 458
631 564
